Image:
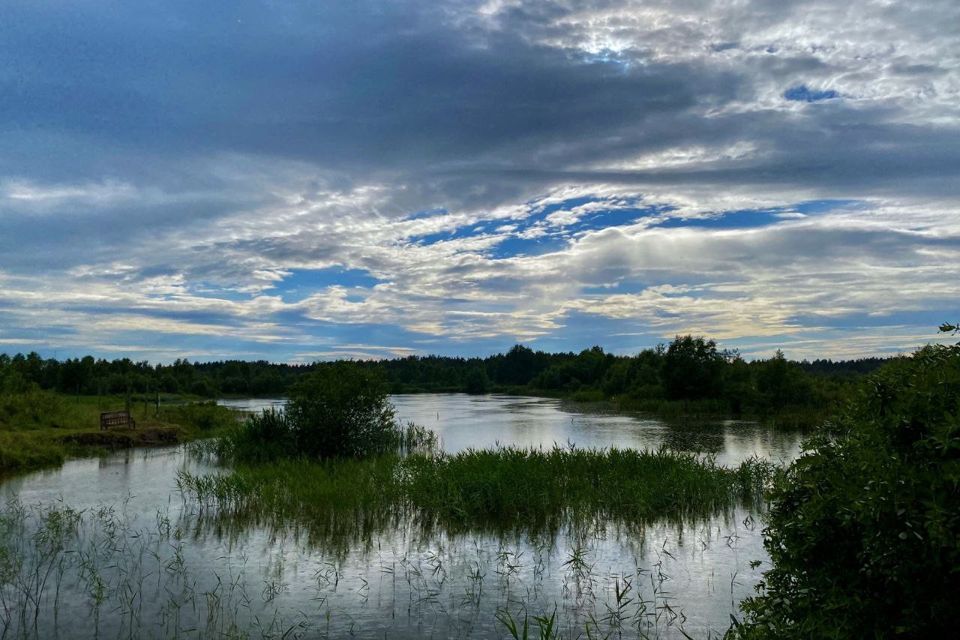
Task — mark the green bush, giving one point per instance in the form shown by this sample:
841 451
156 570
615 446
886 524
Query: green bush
339 411
264 437
864 528
477 381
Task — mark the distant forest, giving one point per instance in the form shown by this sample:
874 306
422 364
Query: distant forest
689 369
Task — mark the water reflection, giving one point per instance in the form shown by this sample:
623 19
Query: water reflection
402 583
464 421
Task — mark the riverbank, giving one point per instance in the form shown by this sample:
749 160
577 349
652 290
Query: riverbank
40 429
60 427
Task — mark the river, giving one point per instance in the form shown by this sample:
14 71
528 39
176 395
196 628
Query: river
151 569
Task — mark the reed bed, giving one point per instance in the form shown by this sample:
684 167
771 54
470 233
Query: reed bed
503 490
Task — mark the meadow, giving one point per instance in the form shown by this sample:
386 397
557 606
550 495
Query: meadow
41 428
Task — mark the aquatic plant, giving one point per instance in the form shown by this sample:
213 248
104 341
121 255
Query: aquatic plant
102 572
130 581
507 489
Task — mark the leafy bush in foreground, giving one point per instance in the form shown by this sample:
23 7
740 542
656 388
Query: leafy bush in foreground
864 529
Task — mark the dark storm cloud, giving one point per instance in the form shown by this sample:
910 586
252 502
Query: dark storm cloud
409 90
373 85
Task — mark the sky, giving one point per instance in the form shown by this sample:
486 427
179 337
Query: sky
294 181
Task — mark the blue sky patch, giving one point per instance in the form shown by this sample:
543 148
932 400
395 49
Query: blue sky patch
813 207
557 236
210 290
752 218
616 288
615 218
583 330
922 318
465 231
514 246
744 219
553 236
301 283
802 93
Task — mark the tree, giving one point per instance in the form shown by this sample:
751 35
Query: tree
519 366
341 410
477 381
781 383
738 388
693 369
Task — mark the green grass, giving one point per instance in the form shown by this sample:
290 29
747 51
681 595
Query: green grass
504 490
42 428
25 451
519 488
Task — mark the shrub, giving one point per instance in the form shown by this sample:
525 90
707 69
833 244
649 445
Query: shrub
476 381
339 411
864 528
264 437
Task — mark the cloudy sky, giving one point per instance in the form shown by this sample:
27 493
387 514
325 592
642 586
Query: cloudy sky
296 180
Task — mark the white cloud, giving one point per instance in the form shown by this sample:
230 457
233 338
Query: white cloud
418 169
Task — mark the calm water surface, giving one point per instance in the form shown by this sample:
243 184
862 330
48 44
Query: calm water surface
181 576
464 421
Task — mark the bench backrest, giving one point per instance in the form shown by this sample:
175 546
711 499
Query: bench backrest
116 419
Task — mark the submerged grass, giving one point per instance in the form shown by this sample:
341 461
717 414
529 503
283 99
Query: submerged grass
503 490
67 573
105 572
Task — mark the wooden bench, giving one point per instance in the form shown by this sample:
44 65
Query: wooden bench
117 419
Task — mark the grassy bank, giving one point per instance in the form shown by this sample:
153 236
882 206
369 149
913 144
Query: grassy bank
502 490
43 428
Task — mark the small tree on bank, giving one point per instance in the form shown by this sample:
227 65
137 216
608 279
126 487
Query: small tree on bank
693 369
341 411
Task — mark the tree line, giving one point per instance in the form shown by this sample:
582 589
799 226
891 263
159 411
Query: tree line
690 369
